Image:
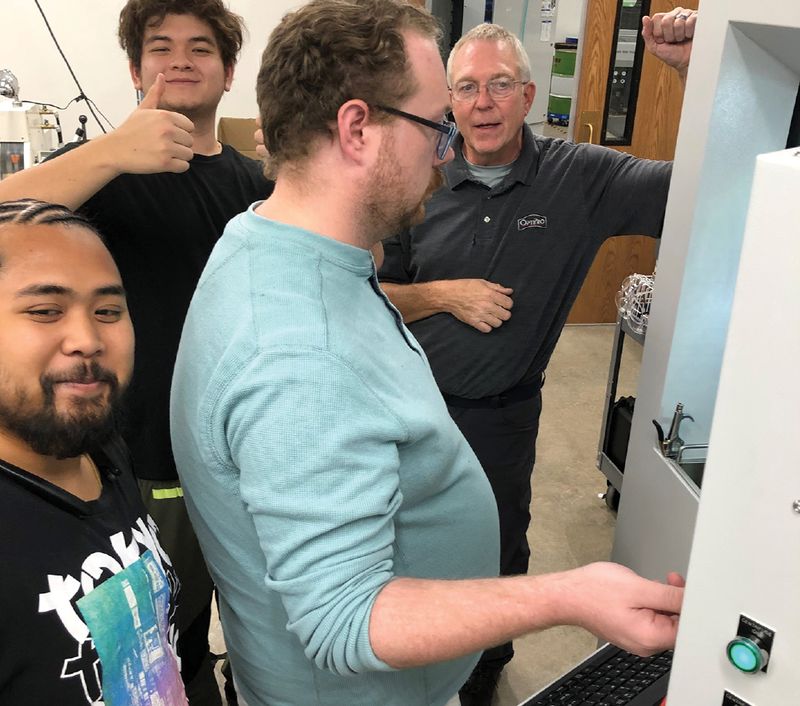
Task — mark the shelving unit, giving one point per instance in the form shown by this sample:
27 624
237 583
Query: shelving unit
605 464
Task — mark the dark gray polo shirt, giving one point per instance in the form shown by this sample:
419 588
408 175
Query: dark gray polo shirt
538 232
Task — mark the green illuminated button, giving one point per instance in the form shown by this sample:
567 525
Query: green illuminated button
747 655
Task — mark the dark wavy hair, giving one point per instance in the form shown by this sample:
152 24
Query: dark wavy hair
329 52
138 15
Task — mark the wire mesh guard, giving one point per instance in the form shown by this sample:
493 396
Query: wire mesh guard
9 86
633 301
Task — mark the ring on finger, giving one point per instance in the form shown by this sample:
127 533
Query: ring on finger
683 16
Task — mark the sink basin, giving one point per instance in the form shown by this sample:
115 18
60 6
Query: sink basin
694 469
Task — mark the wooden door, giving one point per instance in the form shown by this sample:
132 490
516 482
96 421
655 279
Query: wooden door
655 131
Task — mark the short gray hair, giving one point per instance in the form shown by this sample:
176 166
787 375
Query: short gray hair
487 32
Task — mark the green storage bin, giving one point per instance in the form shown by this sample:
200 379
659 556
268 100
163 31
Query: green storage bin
558 109
564 59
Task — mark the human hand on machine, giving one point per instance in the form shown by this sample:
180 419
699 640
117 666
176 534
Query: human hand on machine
669 36
151 140
617 605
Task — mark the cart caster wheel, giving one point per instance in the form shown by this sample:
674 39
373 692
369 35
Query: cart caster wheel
612 498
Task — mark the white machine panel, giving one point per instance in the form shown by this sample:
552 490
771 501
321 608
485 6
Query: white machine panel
27 135
742 84
724 340
746 554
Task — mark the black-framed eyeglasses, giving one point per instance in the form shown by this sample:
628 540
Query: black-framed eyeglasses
447 129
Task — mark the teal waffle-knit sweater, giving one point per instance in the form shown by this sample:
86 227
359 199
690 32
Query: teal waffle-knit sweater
318 462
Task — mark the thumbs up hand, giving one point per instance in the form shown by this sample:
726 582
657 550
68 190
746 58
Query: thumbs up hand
153 97
152 140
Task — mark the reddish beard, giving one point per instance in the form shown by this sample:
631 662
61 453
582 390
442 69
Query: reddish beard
435 183
385 214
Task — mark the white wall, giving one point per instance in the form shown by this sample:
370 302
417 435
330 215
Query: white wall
568 20
87 32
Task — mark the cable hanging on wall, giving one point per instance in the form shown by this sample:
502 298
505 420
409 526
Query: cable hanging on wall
81 96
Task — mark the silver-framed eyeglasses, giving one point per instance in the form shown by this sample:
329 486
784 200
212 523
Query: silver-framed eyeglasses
447 129
498 88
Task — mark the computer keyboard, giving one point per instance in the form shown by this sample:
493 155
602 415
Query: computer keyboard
610 677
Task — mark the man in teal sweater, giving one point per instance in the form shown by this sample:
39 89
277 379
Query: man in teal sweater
345 520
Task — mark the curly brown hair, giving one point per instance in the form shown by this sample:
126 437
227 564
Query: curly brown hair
138 15
329 52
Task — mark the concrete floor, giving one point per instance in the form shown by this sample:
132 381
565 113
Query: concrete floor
571 524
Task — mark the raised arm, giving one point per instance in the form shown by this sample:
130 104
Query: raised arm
481 304
149 141
416 622
669 35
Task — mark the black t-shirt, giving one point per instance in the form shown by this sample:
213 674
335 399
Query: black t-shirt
88 595
161 228
538 232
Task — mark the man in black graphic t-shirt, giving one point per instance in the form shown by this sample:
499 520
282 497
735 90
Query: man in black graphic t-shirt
161 189
88 594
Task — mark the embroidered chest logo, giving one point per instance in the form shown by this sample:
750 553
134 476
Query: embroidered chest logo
532 221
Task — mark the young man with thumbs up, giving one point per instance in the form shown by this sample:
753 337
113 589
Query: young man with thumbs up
161 188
